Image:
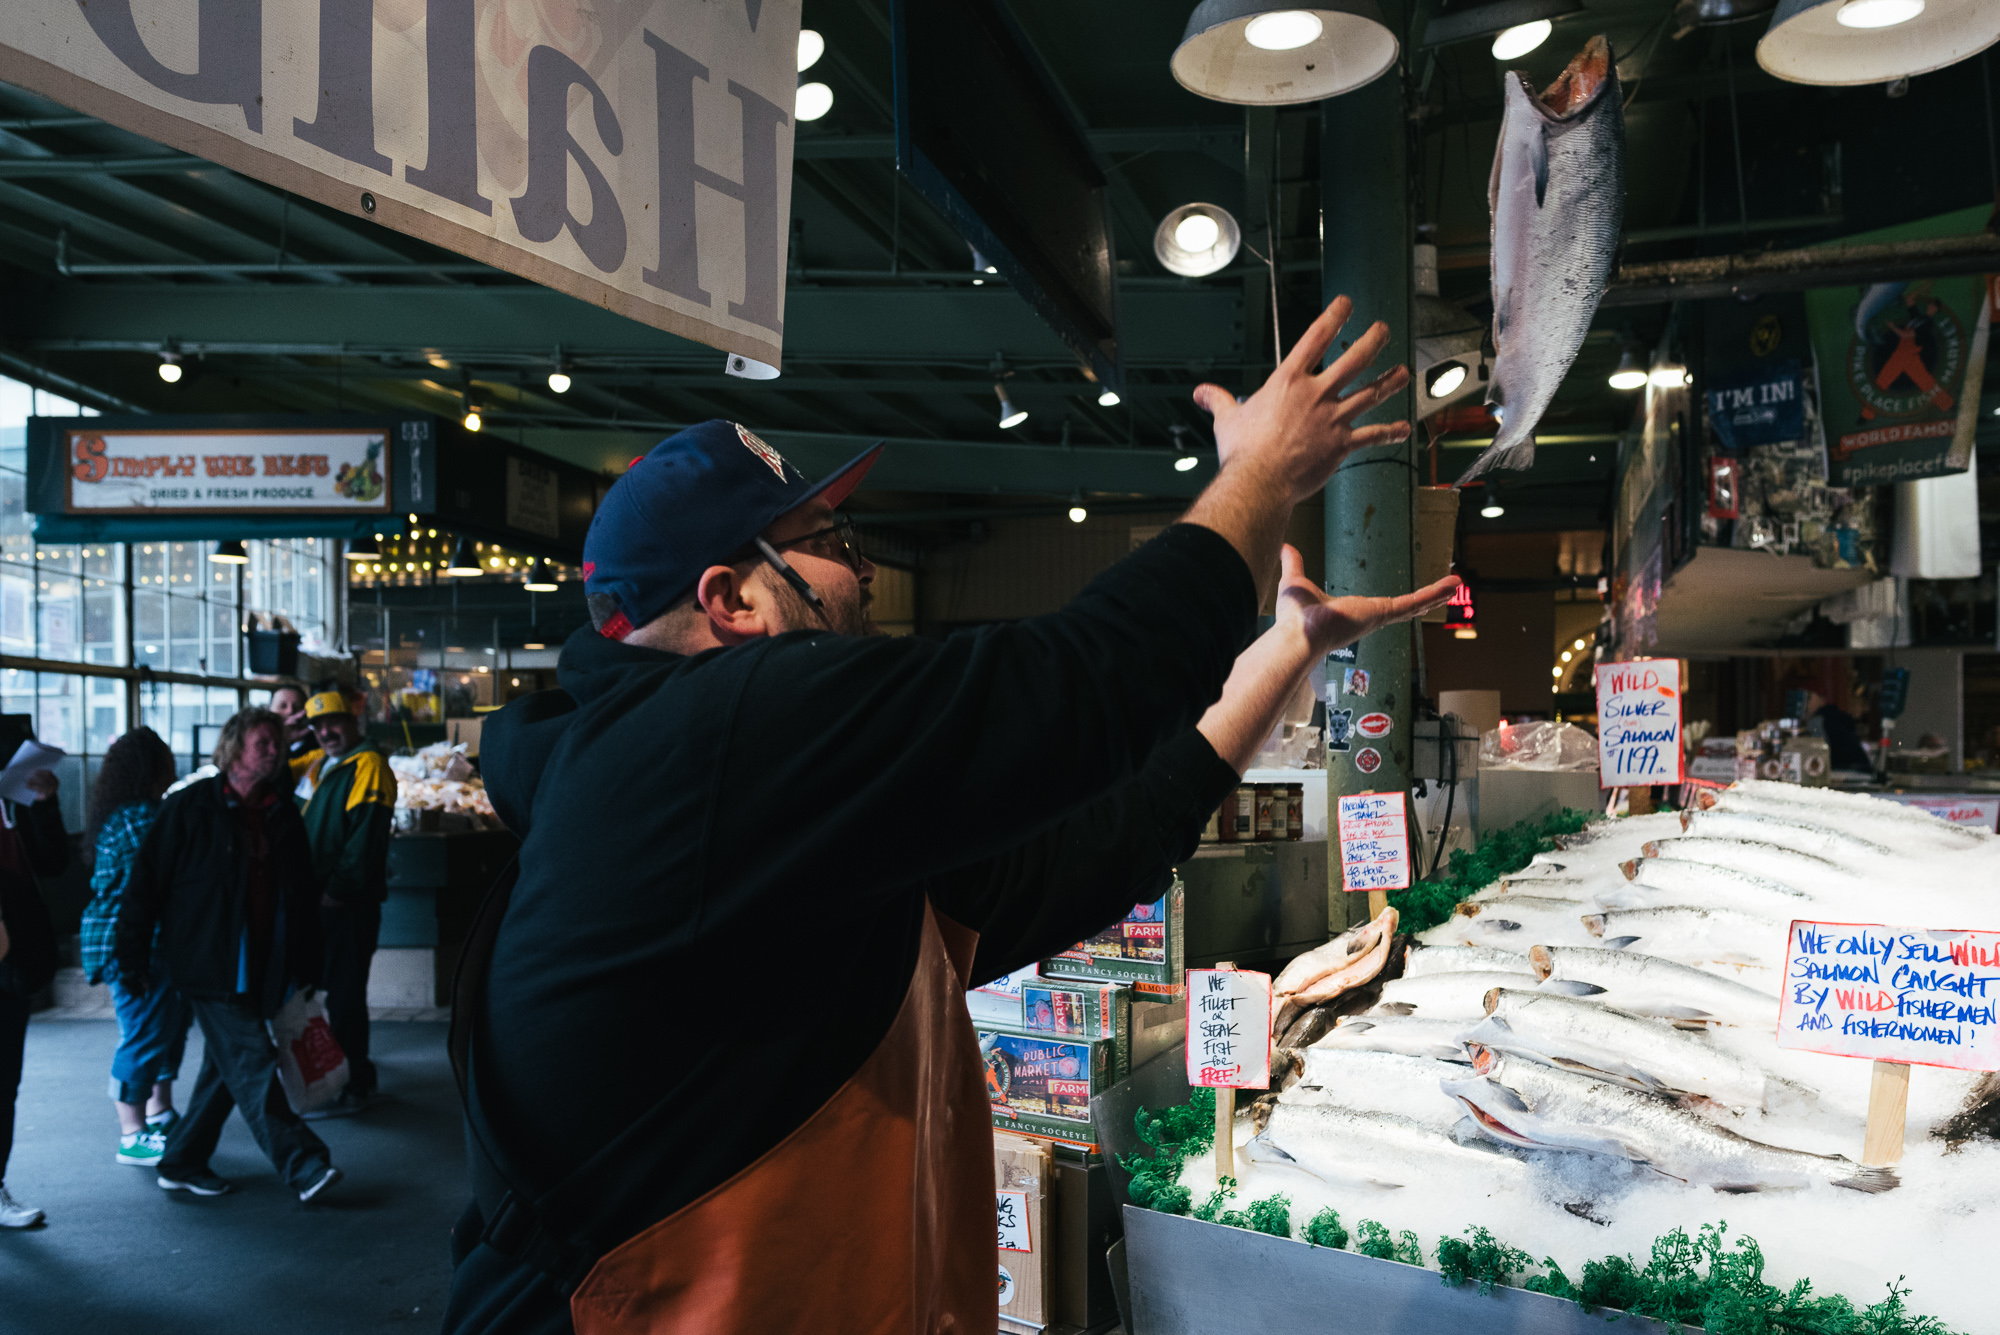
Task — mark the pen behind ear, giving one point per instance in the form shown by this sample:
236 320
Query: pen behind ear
784 567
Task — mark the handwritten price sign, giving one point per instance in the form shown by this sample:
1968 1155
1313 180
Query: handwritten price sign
1374 842
1638 723
1011 1214
1899 994
1229 1028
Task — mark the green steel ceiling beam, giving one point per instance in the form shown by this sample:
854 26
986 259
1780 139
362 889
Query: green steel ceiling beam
1191 327
952 466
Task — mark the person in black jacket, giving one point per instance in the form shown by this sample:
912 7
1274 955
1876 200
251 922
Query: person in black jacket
226 874
32 843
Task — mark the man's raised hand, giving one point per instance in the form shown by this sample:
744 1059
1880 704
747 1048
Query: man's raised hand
1331 623
1298 428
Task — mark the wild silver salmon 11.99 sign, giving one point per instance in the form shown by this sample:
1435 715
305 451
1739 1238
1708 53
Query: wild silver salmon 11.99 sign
636 155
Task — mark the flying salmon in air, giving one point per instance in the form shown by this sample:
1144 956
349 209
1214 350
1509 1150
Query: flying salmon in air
1558 199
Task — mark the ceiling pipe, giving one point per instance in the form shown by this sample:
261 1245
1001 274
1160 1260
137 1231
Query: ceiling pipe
1798 270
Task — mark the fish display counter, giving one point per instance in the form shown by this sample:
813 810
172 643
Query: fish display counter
1623 1060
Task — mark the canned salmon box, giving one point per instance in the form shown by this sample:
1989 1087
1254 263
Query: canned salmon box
1147 948
1065 1007
1040 1085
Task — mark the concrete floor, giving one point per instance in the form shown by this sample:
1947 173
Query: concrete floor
120 1255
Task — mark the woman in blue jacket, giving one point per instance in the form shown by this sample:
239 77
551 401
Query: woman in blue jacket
152 1026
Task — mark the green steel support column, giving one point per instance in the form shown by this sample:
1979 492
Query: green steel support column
1366 239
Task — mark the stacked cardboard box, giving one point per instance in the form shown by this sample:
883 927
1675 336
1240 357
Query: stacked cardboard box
1021 1170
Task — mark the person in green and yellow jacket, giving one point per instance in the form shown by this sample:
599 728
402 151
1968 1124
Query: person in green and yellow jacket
349 797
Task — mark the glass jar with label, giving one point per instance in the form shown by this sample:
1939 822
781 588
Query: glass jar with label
1295 811
1268 817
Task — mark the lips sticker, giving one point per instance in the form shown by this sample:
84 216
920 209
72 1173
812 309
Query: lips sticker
1374 725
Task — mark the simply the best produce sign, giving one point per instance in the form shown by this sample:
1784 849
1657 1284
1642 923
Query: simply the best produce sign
635 155
1639 723
115 471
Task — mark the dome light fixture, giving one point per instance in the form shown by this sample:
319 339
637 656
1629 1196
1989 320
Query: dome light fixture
1492 510
811 47
1519 40
170 367
1108 398
364 549
559 381
464 561
1196 240
1847 42
229 553
1186 463
1077 514
1442 379
539 579
814 100
1256 53
1010 416
1630 374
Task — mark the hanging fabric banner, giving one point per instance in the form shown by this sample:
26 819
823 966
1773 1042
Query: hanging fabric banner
635 155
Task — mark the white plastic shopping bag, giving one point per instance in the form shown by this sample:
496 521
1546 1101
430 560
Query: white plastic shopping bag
311 1065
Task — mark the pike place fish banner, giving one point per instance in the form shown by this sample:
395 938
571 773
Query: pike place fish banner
1901 365
634 155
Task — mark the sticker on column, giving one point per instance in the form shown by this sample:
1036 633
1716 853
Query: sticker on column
1339 722
1354 681
1367 759
1374 725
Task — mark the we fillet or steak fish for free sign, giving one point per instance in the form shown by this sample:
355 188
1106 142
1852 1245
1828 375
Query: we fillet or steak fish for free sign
1374 841
1229 1028
636 155
1899 994
123 472
1639 723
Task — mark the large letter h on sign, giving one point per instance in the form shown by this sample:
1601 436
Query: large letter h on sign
675 72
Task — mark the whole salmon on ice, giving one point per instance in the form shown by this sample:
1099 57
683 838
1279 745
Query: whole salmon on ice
1558 199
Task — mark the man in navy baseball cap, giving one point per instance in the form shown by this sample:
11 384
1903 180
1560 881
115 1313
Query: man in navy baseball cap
699 526
764 854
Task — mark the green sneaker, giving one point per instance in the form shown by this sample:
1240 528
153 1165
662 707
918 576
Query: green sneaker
160 1123
142 1149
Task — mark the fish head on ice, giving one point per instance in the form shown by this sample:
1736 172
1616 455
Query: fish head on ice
1499 1112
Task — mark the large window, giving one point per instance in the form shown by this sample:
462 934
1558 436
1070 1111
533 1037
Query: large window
160 606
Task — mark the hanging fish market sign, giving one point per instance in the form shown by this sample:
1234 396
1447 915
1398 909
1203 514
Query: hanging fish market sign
1897 994
117 471
1900 366
636 155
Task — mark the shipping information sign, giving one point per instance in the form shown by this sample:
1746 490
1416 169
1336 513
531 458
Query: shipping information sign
1638 723
1374 841
635 155
121 471
1897 994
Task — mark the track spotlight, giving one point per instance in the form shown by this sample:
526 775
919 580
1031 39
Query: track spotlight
1108 398
814 101
811 47
170 367
1077 514
1491 510
559 381
1630 374
1444 378
1520 40
1010 416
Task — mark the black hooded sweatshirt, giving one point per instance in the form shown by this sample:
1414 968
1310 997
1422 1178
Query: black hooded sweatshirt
725 861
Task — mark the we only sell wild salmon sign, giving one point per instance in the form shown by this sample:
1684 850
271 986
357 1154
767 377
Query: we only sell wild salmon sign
1899 994
636 155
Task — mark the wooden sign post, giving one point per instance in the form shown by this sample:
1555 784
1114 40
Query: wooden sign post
1899 996
1228 1045
1374 846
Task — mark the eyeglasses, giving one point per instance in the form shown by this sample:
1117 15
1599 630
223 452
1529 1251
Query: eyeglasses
846 544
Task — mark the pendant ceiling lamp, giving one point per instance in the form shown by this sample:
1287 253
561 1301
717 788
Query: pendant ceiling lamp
1840 42
1256 53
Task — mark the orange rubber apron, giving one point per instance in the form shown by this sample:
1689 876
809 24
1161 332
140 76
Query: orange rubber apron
875 1216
